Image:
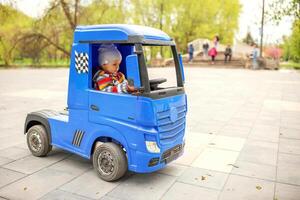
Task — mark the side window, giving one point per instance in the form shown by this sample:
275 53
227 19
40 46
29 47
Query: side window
123 49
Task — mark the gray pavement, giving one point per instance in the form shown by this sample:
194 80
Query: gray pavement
242 141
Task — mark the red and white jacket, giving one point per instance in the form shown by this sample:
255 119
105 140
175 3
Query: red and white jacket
106 82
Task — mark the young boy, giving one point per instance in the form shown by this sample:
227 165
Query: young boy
108 78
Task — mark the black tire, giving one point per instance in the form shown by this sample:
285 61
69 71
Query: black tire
109 161
37 141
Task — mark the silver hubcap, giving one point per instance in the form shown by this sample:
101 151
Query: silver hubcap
105 163
35 141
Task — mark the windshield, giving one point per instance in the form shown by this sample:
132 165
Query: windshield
161 67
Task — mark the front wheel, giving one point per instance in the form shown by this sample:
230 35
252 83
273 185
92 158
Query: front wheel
37 141
109 161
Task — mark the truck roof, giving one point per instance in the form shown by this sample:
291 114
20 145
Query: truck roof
121 33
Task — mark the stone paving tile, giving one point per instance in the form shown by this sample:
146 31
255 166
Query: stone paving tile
284 158
211 126
241 122
216 159
4 161
262 144
265 133
93 187
205 178
109 198
38 184
189 155
235 131
180 191
289 133
14 153
143 187
246 115
288 173
229 143
73 163
255 170
23 145
259 152
173 169
290 122
268 120
62 195
289 146
287 192
8 176
195 140
31 164
238 187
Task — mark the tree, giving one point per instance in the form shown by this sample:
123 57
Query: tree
282 8
291 8
205 19
295 42
57 25
13 23
248 39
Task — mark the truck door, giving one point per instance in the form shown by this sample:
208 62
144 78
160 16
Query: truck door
107 108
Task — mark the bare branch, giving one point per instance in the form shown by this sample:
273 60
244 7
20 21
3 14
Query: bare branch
48 40
67 13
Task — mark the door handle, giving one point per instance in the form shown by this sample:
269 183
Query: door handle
94 107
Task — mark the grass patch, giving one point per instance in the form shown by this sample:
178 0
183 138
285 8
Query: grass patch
290 65
27 63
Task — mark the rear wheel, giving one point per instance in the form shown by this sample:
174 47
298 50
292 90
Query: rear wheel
37 141
110 161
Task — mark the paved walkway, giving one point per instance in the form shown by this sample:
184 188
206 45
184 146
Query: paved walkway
243 141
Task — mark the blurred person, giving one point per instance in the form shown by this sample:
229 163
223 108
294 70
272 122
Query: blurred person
191 52
213 51
205 48
254 55
228 54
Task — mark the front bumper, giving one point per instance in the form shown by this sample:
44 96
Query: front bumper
141 160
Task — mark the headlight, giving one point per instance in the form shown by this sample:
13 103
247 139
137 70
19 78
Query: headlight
152 147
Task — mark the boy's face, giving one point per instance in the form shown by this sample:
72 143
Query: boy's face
112 67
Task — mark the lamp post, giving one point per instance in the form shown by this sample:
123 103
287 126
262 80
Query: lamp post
262 29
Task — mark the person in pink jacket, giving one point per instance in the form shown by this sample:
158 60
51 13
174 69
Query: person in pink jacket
213 51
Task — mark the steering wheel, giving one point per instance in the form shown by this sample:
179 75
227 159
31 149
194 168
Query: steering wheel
155 82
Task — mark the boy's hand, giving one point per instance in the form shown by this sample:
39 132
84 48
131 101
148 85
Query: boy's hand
131 88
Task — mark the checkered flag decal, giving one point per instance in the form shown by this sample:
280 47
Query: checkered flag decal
81 62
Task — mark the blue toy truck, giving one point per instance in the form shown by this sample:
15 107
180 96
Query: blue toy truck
140 132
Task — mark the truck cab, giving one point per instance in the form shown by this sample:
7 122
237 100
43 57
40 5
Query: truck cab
141 132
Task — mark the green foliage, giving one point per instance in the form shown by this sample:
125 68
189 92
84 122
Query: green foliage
13 23
281 8
50 37
295 42
290 65
291 45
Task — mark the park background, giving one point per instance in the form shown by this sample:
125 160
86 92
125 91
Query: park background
44 40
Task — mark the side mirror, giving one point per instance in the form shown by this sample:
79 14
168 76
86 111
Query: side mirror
133 70
181 67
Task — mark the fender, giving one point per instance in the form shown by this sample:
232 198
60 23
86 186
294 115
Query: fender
40 117
106 131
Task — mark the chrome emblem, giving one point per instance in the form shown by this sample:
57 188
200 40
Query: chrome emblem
173 114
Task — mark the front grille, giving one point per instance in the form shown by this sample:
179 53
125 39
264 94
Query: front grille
171 154
169 131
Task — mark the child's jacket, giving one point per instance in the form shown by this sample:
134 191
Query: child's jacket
110 82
